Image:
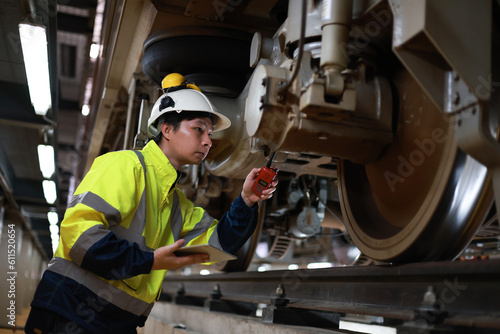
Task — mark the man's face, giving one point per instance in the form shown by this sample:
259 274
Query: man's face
191 142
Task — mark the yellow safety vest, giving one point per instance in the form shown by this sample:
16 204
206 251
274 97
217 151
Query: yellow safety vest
133 195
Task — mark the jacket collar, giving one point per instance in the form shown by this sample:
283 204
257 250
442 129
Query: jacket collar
167 176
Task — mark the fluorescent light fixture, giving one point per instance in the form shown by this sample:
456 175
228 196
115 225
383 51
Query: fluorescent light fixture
366 328
85 110
36 62
49 191
53 217
293 266
55 243
54 230
94 50
46 160
264 267
319 265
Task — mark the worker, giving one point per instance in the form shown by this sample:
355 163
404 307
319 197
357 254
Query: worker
127 218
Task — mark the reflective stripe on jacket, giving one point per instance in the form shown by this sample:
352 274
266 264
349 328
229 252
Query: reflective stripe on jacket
127 197
125 207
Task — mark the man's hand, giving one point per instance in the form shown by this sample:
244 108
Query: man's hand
166 259
249 196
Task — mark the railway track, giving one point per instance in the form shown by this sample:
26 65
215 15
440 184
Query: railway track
435 297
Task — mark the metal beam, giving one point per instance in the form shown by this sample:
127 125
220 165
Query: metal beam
449 295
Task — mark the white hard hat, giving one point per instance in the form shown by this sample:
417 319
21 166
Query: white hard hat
184 100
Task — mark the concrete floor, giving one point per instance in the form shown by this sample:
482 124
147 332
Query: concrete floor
165 316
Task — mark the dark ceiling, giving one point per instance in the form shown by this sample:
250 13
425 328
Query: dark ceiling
121 28
69 25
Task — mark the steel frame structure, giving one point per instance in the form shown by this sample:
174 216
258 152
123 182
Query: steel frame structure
433 297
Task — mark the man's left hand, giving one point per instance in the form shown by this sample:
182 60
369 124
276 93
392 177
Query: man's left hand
249 196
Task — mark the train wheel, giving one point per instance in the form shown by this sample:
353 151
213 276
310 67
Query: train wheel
245 253
423 199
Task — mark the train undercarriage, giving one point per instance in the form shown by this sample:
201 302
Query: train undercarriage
384 117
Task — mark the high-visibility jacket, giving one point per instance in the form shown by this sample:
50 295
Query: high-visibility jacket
126 207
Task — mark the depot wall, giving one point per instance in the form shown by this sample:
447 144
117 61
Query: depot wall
21 267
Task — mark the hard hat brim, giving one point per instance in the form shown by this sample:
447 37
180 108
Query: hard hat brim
222 121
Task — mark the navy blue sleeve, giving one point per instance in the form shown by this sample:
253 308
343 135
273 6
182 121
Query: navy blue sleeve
237 225
112 258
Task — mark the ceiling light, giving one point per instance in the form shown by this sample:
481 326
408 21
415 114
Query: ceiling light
35 54
53 217
49 191
55 243
54 230
366 328
319 265
46 160
94 51
85 110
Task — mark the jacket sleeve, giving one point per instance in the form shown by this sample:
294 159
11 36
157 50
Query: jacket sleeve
107 196
237 225
229 234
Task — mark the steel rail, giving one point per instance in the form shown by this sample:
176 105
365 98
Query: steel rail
445 295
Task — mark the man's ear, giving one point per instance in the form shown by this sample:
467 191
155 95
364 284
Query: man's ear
165 130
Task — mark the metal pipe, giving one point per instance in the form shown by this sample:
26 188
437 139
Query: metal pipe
335 21
282 90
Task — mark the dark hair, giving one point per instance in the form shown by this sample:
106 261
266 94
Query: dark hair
174 119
